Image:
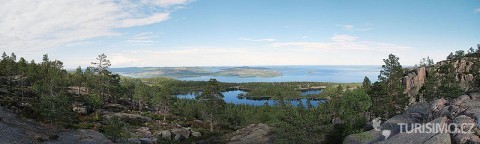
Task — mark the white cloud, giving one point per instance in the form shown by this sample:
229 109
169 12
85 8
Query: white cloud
343 38
155 18
477 10
35 25
353 28
258 40
143 38
344 42
167 3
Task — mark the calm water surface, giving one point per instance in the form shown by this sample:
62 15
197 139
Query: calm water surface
232 97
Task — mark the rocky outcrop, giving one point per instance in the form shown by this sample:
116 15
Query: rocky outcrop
18 130
414 79
461 112
254 133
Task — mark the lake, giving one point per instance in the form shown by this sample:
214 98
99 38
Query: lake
232 97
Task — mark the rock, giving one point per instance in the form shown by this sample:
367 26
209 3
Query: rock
472 113
39 137
455 110
254 133
17 130
166 134
475 96
179 137
82 136
144 131
442 138
465 133
196 134
181 131
80 109
115 107
444 112
151 140
461 99
438 104
415 138
414 79
371 136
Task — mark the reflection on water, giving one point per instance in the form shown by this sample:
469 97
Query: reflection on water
232 97
311 92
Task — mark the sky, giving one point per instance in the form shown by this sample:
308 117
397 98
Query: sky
141 33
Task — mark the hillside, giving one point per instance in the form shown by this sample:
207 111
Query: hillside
185 72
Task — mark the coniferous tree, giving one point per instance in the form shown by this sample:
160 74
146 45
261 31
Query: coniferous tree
426 62
212 103
53 103
162 101
391 75
450 56
79 79
107 84
141 94
471 50
366 84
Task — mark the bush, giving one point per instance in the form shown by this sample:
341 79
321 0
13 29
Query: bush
84 125
116 129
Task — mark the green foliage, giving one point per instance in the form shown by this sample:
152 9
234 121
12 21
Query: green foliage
211 103
366 84
426 62
85 125
300 126
389 100
55 109
94 100
116 129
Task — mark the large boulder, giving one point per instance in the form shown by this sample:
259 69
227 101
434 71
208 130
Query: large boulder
179 138
254 133
366 137
166 134
18 130
181 131
149 140
414 138
464 130
196 134
144 132
460 100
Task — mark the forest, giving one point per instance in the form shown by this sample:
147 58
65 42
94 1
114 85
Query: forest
46 92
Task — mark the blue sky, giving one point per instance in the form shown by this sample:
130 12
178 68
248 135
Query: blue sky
238 32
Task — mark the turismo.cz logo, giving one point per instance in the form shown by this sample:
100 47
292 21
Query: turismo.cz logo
464 128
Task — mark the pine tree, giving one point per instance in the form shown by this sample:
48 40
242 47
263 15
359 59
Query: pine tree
141 94
53 103
426 62
79 79
212 103
366 84
471 50
107 84
392 74
450 56
162 101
